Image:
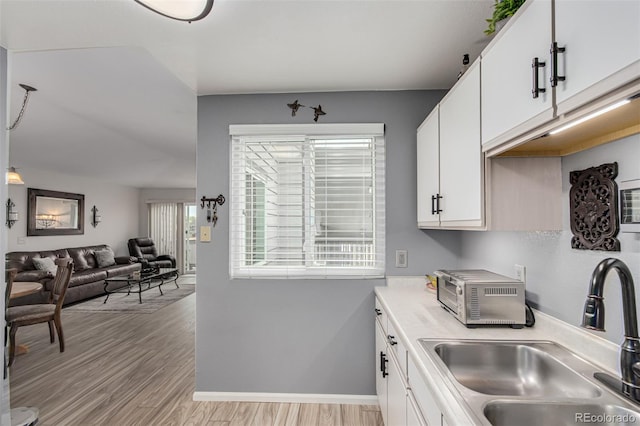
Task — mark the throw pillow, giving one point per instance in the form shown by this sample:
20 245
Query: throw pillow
105 258
45 264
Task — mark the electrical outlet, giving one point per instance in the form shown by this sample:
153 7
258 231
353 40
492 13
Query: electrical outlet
521 273
401 259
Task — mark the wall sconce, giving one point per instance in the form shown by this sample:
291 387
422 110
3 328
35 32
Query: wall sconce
13 177
12 215
96 218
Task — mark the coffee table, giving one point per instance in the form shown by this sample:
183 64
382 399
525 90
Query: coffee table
138 284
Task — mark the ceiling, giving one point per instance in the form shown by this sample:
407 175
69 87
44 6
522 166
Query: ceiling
117 83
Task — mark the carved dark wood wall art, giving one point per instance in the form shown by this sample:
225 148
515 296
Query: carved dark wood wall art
594 208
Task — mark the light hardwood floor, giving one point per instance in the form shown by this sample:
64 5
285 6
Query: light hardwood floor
128 369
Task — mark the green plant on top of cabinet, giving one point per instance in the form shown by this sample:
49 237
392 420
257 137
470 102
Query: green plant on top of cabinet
502 9
450 160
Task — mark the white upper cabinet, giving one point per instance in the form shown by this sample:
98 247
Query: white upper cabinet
450 159
602 48
510 102
428 170
461 160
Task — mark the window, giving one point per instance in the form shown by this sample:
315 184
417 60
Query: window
307 201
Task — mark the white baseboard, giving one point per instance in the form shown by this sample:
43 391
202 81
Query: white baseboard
304 398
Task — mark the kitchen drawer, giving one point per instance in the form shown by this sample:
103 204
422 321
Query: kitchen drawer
398 349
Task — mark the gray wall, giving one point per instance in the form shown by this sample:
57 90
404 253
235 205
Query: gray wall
117 204
558 276
303 336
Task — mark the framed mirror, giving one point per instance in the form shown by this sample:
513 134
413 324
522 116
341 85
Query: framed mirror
54 213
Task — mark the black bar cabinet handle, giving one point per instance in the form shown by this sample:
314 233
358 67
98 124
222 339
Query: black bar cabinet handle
438 209
383 364
433 205
391 340
536 64
378 311
555 78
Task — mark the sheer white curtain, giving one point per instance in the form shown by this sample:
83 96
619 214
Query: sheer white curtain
163 227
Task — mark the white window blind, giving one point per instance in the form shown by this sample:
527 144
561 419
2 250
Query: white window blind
307 201
163 227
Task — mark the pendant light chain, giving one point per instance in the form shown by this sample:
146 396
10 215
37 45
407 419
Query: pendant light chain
28 90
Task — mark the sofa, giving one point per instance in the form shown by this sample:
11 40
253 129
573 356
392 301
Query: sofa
90 269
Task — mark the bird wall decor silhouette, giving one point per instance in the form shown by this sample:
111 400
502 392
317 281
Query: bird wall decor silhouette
294 107
317 111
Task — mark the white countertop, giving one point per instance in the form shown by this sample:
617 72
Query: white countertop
415 313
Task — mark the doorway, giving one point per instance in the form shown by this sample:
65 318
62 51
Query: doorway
189 257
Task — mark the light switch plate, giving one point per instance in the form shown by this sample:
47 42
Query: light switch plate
205 234
401 259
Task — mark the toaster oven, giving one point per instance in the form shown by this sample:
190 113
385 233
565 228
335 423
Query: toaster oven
480 298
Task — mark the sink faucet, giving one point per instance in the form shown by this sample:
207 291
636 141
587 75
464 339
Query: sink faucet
629 384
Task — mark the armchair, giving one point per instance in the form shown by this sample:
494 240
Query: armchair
144 249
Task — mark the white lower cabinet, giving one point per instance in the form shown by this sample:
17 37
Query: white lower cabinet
403 396
423 396
381 371
396 394
414 416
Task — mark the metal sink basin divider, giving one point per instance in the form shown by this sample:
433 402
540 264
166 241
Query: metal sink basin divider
527 383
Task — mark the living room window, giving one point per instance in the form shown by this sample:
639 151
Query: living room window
307 201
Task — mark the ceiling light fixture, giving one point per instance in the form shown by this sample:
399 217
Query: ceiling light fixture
180 10
27 90
13 177
590 116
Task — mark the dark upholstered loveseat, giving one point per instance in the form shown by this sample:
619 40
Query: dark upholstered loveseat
86 281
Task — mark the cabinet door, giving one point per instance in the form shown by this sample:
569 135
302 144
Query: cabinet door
396 395
461 177
382 367
602 39
428 169
508 106
424 398
414 417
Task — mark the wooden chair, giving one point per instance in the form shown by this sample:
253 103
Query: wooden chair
9 276
18 316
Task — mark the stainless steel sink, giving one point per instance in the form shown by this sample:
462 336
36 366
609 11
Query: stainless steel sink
558 414
514 369
505 382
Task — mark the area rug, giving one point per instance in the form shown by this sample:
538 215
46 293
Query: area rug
152 300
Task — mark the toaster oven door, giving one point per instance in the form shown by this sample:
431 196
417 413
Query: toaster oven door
448 294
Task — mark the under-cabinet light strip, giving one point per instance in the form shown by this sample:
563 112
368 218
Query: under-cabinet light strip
590 116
